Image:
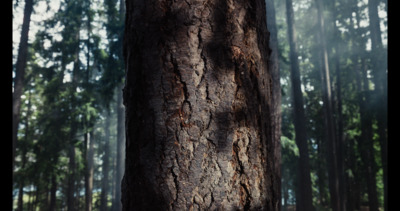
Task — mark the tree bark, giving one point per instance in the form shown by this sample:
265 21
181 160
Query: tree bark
20 72
276 114
304 179
198 105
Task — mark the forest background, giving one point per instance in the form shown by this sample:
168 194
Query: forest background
69 146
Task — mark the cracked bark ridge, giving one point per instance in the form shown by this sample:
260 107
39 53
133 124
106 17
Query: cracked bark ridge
197 98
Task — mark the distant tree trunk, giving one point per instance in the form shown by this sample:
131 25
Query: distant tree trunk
53 190
20 72
198 107
321 172
23 154
339 120
328 114
304 178
120 148
285 196
354 196
71 179
89 171
21 186
73 127
379 68
366 141
106 165
37 197
120 128
276 114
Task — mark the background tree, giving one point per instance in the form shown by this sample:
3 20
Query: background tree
20 72
304 200
64 69
276 111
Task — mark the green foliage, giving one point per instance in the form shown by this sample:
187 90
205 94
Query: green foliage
71 77
349 44
289 146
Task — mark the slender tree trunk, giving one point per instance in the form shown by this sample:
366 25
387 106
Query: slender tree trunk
120 148
356 165
106 164
286 196
120 128
71 178
339 121
21 187
366 140
73 123
37 197
23 154
198 103
328 114
89 171
321 174
53 190
379 68
276 114
20 71
304 179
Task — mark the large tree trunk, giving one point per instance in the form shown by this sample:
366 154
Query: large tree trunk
304 178
328 114
198 104
20 71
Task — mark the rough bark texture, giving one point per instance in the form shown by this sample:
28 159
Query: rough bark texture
304 202
197 98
